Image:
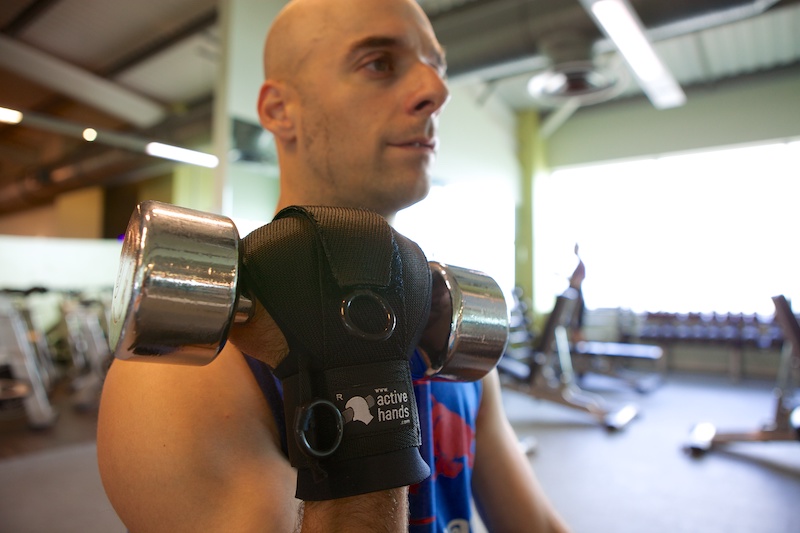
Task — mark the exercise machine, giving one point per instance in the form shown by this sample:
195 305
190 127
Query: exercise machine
543 369
612 359
785 423
84 319
28 379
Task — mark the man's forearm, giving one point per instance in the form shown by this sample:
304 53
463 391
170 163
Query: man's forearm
385 511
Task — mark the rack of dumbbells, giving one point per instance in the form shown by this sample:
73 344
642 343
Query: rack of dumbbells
735 331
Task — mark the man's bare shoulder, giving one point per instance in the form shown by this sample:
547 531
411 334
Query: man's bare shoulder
183 448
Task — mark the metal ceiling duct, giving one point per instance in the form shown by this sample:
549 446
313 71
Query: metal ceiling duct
79 84
493 39
97 165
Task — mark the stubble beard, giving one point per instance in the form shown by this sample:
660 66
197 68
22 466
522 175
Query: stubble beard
316 143
382 186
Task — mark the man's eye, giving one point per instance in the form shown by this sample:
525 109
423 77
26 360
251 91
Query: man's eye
382 65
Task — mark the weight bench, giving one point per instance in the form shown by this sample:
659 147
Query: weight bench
785 425
610 359
544 370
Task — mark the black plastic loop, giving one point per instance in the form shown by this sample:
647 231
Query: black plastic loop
353 328
302 425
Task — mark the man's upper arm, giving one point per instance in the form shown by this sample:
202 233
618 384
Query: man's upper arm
192 449
506 490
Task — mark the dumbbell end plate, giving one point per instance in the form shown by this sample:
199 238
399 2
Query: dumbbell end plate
175 295
478 325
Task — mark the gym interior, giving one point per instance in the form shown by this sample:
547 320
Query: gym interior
641 234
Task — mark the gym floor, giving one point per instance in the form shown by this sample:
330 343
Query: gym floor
638 480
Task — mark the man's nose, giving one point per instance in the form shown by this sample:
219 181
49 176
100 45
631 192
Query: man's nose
431 92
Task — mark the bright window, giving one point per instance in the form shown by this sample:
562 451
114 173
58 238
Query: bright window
712 231
466 224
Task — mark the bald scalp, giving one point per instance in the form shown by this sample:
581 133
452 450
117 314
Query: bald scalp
291 38
299 28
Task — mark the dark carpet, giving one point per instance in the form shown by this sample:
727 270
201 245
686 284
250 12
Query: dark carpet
638 480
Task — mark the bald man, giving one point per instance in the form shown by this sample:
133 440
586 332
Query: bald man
352 94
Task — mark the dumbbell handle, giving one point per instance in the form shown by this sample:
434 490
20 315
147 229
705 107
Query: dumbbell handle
244 310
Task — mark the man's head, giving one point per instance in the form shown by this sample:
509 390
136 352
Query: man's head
352 94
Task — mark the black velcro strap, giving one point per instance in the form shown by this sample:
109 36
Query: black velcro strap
380 414
336 228
352 297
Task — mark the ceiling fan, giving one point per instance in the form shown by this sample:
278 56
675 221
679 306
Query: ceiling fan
575 79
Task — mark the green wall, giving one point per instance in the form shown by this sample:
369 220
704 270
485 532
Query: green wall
753 110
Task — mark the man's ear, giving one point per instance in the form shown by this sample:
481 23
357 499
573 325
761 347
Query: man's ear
273 110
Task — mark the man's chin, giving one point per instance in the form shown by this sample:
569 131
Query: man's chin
415 195
394 193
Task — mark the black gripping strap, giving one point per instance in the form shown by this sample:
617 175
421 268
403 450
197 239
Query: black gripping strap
351 296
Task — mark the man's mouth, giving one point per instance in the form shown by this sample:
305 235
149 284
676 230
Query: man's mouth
424 144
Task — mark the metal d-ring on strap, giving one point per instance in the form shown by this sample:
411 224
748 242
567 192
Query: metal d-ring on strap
302 426
305 413
354 329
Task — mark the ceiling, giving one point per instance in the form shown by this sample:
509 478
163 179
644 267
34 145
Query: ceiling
147 69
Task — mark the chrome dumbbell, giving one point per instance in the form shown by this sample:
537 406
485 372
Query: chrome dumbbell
177 295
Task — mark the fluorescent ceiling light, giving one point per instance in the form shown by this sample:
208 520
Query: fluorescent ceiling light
10 116
621 24
110 138
182 154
